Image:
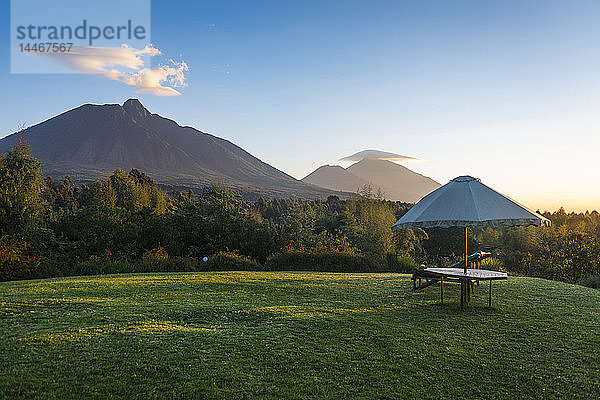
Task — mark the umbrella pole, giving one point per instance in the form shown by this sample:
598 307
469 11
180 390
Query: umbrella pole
466 247
463 282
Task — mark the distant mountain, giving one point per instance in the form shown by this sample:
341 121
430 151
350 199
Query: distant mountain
335 177
91 141
395 181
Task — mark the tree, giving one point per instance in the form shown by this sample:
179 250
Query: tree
101 194
20 189
137 191
62 196
367 222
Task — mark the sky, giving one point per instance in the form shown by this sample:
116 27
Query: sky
506 91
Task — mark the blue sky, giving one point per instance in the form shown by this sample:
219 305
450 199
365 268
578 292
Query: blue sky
506 91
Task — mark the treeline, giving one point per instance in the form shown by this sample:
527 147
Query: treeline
127 224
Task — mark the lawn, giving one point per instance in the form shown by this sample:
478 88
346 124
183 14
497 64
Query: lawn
294 335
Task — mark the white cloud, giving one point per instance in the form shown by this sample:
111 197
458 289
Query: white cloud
377 155
127 65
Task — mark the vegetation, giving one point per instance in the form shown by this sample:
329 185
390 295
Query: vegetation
294 335
127 224
20 188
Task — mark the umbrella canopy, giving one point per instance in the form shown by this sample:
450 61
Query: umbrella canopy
466 202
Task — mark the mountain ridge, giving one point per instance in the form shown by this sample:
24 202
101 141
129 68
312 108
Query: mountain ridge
90 141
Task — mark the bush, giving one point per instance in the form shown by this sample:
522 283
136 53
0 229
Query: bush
326 262
492 264
175 264
121 232
156 254
15 263
323 243
592 282
231 261
400 263
100 266
324 252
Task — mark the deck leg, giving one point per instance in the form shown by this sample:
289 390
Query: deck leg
490 298
467 291
442 288
462 294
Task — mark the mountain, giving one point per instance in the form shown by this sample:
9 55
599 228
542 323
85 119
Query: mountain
335 177
395 181
91 141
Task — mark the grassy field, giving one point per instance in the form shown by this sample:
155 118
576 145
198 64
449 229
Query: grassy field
294 335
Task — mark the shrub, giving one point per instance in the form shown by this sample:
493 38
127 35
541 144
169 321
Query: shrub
400 263
158 253
326 262
97 265
231 261
592 282
492 264
175 264
121 231
324 252
322 243
15 263
10 250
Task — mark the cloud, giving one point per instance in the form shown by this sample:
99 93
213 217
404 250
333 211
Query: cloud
377 155
127 65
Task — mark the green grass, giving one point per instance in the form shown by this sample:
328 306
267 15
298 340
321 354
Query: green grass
294 335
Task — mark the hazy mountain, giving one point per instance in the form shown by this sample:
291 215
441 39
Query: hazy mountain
91 141
335 177
395 181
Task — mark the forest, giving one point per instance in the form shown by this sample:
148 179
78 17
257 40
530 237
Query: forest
126 223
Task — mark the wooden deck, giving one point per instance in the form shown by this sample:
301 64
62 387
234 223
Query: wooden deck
475 274
467 280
